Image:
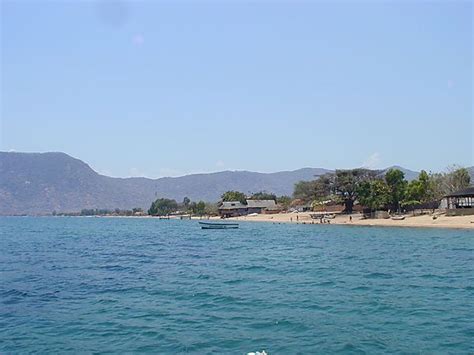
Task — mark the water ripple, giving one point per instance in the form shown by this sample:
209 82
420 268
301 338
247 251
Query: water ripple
146 285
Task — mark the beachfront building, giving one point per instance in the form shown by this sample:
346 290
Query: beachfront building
236 208
262 206
460 203
232 209
300 206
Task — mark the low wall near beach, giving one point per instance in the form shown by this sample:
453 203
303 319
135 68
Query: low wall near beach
460 212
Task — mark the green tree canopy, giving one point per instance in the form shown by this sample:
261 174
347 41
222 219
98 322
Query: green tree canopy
284 201
395 179
419 191
234 196
211 209
318 189
456 179
201 208
453 180
347 183
163 207
305 190
374 194
186 202
343 185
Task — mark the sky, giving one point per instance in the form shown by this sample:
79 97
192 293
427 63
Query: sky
170 88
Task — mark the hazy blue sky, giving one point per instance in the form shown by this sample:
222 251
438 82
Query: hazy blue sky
170 88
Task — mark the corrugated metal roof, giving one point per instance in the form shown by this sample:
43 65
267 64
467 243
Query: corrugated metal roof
469 192
270 204
232 205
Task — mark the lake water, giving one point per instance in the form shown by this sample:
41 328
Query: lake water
147 285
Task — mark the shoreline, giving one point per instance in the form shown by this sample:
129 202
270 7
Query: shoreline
424 221
304 218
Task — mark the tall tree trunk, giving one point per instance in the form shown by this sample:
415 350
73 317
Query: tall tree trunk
348 205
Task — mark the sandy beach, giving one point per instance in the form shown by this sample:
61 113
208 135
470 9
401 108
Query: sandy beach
464 222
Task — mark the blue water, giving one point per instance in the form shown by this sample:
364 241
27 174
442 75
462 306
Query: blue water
147 285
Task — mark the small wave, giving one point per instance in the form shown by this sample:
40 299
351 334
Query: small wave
326 283
114 267
15 293
351 348
233 282
432 276
253 268
378 275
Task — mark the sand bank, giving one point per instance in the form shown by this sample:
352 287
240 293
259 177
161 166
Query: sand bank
464 222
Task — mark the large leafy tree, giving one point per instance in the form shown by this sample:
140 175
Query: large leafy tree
374 194
310 191
211 209
304 190
395 179
234 196
347 183
163 207
198 208
186 202
284 201
419 191
445 183
342 185
456 179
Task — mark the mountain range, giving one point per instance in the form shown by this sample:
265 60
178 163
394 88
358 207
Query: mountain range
39 183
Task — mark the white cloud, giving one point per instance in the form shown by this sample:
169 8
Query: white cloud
373 161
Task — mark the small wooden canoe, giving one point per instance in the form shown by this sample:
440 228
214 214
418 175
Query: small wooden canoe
218 225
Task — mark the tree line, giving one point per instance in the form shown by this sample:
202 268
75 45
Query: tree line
165 206
379 190
372 189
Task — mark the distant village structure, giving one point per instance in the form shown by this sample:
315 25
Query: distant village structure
232 209
236 208
460 203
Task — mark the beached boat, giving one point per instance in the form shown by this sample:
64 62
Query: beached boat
218 225
398 218
325 215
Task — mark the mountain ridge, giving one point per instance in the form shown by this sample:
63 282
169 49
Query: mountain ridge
40 183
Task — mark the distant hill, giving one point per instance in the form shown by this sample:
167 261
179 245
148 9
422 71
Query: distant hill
35 183
39 183
409 174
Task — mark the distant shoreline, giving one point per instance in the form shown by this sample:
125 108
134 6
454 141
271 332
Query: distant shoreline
304 218
425 221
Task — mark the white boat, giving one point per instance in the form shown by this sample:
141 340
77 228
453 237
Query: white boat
218 225
398 218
